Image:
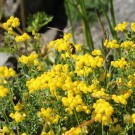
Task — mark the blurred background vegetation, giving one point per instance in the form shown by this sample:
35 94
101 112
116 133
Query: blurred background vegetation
88 12
91 7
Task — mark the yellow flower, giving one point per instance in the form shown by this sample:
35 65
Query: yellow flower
3 91
108 75
48 115
23 134
133 26
103 112
73 131
133 117
120 63
22 38
28 60
111 44
11 23
5 25
7 72
5 129
51 132
15 22
10 30
96 52
121 27
127 44
18 106
122 98
17 116
67 36
78 47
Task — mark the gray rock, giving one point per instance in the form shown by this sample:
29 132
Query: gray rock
4 57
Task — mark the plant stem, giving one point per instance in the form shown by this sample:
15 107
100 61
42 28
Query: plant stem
86 27
18 133
107 18
113 18
76 118
102 129
0 9
22 15
70 20
112 13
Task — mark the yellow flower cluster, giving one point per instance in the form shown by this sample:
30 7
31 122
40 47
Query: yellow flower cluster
23 134
22 38
11 23
76 102
63 44
3 91
120 63
48 115
6 72
131 82
28 60
127 44
39 64
51 132
85 63
122 98
103 112
51 79
73 131
133 117
96 52
100 93
17 116
18 106
111 44
121 27
133 26
5 130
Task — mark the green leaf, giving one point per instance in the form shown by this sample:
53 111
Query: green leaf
37 21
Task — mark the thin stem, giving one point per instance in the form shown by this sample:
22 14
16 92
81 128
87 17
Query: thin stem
19 30
70 21
113 18
132 129
22 15
107 18
76 117
0 9
102 129
112 13
18 133
102 26
86 27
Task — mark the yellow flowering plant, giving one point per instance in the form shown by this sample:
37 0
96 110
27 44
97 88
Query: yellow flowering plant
79 93
15 36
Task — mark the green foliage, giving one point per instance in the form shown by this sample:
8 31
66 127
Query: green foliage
37 21
90 6
85 91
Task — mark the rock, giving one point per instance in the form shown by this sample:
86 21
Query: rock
4 57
